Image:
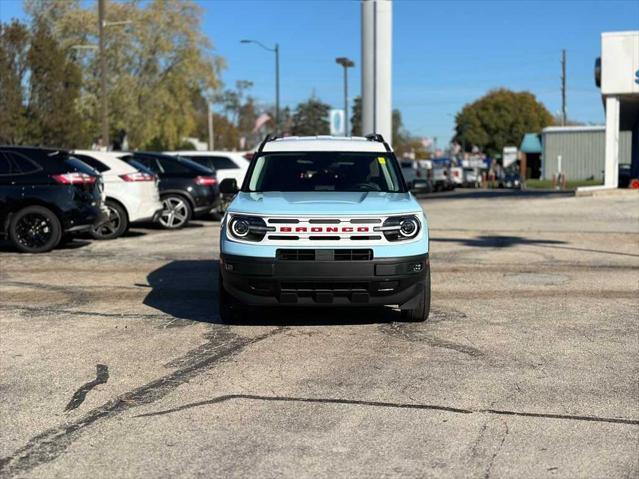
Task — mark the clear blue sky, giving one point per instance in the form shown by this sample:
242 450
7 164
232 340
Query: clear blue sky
445 53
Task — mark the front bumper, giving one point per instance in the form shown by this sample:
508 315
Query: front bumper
273 282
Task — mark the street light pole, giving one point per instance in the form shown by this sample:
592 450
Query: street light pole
103 73
275 50
346 63
277 86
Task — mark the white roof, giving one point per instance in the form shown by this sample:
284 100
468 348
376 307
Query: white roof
112 159
324 143
575 128
206 153
102 155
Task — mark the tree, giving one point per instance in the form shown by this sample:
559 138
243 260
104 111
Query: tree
154 66
498 119
356 118
311 118
54 89
14 40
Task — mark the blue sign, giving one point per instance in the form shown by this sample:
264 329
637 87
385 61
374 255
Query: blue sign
337 122
637 77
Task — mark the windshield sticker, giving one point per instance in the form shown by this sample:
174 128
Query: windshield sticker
381 160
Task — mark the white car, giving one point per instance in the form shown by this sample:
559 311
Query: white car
227 164
131 194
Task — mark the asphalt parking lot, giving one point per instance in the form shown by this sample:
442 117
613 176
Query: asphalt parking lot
113 362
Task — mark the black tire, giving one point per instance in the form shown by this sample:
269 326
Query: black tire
420 312
177 212
231 310
35 229
117 224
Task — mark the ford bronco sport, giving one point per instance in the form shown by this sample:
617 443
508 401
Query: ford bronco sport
324 221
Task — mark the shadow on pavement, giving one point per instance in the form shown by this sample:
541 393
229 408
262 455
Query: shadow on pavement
75 243
188 290
465 194
496 241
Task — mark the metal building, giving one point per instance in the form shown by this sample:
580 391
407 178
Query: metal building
579 151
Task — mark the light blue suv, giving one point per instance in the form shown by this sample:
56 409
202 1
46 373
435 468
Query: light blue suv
324 221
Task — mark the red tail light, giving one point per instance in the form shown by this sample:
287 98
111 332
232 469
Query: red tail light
138 176
75 179
205 181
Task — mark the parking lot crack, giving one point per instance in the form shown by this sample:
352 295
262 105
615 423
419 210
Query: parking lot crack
359 402
50 444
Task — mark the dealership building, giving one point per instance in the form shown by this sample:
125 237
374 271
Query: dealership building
617 74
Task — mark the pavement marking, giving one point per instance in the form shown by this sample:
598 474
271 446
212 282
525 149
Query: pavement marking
432 407
102 376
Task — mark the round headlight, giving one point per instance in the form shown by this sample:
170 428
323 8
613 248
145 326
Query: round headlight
240 228
408 227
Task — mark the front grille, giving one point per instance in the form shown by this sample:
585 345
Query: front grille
353 254
308 288
324 255
295 254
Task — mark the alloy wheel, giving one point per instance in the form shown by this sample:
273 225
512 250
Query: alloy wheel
111 226
175 213
34 230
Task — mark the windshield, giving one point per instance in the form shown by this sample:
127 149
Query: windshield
325 171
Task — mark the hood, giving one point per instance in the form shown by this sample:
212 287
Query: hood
324 203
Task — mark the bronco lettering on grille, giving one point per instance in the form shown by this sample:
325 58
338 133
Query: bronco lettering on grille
324 229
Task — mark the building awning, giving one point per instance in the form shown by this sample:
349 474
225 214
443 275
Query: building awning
530 144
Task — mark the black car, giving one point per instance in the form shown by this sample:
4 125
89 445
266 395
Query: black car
45 194
186 188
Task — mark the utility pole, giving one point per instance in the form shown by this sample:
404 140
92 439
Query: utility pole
277 87
346 63
103 73
563 88
275 50
211 137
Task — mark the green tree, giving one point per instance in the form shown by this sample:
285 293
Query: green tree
154 65
498 119
54 89
356 118
14 41
311 118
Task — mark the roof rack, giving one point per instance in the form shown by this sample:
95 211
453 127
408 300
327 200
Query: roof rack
268 138
375 137
379 138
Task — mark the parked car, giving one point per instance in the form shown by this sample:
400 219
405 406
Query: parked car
226 164
324 221
440 175
472 177
509 178
456 176
45 194
414 176
625 173
131 193
187 189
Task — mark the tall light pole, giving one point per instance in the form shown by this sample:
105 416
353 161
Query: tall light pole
346 63
276 50
102 25
103 73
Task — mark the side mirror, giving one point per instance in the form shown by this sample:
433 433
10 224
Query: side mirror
228 186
